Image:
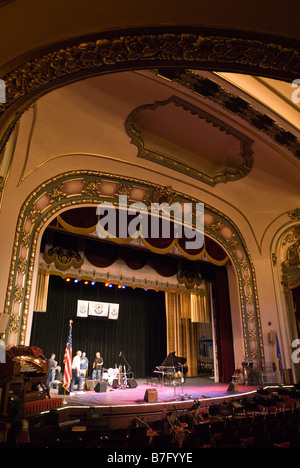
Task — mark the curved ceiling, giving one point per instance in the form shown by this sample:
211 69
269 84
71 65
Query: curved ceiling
226 133
31 26
86 124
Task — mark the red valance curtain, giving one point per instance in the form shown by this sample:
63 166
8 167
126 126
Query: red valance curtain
84 221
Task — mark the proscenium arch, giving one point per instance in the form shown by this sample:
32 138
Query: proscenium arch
42 71
82 188
282 239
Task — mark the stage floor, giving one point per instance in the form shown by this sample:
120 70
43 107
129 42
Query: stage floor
118 403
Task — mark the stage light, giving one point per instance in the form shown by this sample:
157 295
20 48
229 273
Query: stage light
68 280
76 280
119 287
106 284
110 285
86 282
93 283
123 287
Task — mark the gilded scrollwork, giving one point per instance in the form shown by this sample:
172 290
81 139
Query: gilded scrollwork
26 239
166 157
17 300
22 266
18 294
215 92
161 195
290 259
13 324
34 214
123 189
91 188
189 50
294 214
56 194
63 258
189 279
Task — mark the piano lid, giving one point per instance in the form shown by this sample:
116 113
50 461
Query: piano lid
173 361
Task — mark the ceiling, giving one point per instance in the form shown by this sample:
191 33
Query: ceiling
144 125
230 139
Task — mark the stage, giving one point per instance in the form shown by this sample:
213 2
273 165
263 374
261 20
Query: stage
119 406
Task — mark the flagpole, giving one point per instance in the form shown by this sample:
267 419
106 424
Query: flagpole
68 360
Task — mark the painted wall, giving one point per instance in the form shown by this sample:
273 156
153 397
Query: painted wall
81 127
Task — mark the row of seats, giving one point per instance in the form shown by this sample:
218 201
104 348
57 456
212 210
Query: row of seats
267 420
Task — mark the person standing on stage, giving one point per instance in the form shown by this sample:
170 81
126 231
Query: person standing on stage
76 376
84 364
97 366
52 368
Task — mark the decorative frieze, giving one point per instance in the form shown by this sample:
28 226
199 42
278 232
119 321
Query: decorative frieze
72 192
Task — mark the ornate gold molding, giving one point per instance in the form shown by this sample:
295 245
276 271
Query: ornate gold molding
40 207
291 263
65 64
230 102
107 277
63 258
136 132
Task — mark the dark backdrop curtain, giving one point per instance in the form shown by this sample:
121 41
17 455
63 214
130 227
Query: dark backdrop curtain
140 331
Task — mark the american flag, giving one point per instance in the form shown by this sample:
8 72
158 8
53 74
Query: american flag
68 361
280 364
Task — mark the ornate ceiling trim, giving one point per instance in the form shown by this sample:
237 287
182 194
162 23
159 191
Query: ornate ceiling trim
290 266
209 89
84 188
82 58
135 131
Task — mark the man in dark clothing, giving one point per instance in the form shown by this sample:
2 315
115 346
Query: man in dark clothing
97 367
52 367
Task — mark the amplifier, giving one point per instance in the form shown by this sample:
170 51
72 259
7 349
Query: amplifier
132 383
101 387
151 395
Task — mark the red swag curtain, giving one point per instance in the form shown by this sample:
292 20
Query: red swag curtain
84 221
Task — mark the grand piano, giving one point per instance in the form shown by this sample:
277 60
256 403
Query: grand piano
172 368
25 371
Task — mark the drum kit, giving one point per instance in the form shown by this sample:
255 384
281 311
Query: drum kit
115 377
118 377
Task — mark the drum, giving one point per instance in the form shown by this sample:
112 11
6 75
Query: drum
112 374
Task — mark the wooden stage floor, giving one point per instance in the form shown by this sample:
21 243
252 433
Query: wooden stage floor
117 404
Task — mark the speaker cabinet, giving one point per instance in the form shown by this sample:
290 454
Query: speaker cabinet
101 387
115 383
90 384
233 387
151 395
132 383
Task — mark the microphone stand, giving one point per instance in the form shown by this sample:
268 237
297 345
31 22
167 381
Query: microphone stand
184 396
128 365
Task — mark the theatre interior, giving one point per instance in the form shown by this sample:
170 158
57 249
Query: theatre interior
108 112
